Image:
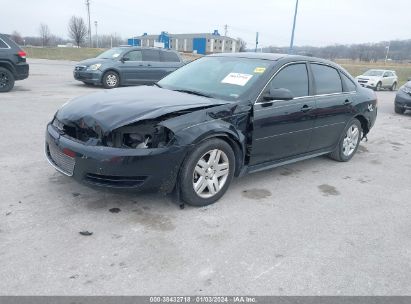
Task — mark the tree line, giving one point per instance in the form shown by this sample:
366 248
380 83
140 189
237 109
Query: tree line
78 36
398 50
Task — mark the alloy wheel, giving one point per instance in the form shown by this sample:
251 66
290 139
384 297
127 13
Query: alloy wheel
4 80
111 80
210 174
351 140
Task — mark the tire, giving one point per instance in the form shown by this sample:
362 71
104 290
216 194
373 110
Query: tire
111 80
399 110
393 87
349 142
378 86
197 170
6 80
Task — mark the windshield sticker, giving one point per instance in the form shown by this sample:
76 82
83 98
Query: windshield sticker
116 55
237 79
259 70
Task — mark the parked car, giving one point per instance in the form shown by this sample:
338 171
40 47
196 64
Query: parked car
403 99
128 66
13 65
378 79
215 118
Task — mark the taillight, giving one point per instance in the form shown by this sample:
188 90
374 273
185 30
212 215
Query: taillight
22 54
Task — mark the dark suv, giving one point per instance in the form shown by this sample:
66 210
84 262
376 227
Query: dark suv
128 66
13 64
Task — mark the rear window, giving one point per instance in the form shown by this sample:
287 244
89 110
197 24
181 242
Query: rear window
3 45
169 57
327 79
151 55
351 87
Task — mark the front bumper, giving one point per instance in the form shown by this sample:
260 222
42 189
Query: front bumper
140 169
93 77
403 100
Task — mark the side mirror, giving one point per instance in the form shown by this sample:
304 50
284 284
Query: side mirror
409 78
385 76
278 94
125 59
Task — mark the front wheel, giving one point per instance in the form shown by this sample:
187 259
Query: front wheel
6 80
399 110
207 173
378 86
111 80
349 142
393 87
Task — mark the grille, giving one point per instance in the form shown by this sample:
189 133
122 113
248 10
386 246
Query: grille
115 181
80 68
61 161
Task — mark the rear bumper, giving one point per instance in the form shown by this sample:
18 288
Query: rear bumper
139 169
22 71
93 77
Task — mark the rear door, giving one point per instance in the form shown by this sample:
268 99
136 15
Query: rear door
283 128
153 67
333 106
170 61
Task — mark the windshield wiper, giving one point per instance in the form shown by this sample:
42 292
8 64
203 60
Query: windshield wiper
194 93
157 85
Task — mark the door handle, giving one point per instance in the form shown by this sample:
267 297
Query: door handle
347 102
306 108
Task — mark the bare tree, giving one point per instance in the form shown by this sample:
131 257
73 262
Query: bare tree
77 30
45 34
16 37
242 44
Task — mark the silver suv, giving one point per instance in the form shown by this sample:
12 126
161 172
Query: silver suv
378 79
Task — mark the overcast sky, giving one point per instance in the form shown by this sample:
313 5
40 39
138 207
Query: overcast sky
320 22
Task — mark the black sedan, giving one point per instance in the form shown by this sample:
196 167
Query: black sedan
403 99
218 117
122 66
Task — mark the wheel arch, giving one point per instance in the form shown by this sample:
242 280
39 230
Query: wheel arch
364 123
8 66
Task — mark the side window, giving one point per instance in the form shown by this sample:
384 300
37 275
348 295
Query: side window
134 56
386 74
327 79
348 82
3 45
294 78
151 55
169 57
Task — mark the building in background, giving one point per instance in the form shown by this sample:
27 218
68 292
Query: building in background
203 43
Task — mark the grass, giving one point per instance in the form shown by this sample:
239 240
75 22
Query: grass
73 54
355 68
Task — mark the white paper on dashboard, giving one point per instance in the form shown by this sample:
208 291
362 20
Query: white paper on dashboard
237 79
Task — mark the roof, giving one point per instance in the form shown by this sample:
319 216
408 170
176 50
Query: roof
266 56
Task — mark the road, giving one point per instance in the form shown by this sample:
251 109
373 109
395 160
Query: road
317 227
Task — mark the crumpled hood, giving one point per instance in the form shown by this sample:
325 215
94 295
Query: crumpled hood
110 109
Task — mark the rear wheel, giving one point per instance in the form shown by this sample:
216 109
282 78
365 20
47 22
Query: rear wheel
207 173
111 80
393 87
349 142
6 80
399 110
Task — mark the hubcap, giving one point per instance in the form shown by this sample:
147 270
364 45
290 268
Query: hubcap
111 80
4 80
210 174
351 140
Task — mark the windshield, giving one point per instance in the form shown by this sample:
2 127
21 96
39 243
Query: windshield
111 53
227 78
373 73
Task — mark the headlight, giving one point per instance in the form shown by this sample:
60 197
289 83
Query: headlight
94 67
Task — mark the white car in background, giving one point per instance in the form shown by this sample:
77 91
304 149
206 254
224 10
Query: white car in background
378 79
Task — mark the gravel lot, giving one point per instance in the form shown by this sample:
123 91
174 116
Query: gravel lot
313 228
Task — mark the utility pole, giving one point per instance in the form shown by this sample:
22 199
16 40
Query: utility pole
95 23
225 30
256 41
388 50
292 34
89 23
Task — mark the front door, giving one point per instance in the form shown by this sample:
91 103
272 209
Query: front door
131 68
283 129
